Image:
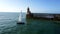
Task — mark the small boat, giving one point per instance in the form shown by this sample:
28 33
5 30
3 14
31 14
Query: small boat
21 19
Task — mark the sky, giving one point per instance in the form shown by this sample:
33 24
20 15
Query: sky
36 6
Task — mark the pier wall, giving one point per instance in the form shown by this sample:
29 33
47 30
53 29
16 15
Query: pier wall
42 15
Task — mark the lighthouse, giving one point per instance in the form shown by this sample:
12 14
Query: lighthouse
29 14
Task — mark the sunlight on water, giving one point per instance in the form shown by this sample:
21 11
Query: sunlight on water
8 25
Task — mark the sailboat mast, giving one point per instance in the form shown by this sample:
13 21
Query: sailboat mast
28 3
21 11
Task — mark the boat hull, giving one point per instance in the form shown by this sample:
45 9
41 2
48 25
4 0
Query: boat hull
20 23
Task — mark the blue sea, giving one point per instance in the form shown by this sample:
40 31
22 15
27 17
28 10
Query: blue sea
8 25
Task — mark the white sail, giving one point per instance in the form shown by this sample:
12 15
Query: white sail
21 18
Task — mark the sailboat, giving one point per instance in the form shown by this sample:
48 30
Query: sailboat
21 19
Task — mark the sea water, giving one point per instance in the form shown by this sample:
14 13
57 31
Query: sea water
8 25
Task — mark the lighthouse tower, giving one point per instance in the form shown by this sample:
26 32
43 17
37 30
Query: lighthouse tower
29 14
28 11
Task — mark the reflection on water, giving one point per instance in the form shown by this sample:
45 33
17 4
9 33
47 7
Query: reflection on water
8 25
21 28
36 26
7 28
33 27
